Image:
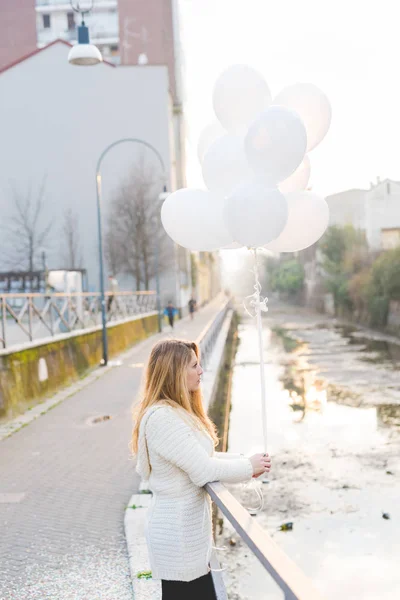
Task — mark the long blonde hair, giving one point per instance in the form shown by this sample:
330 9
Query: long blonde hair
166 382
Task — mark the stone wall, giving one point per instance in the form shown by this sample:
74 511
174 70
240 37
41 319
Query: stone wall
37 371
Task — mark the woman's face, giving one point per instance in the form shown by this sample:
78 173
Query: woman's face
194 373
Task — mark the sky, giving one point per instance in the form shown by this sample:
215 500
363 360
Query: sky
349 49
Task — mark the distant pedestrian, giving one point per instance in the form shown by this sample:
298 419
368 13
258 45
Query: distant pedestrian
170 312
192 307
113 288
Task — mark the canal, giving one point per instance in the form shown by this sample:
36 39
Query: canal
333 413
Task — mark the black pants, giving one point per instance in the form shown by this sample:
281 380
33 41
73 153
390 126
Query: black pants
198 589
171 321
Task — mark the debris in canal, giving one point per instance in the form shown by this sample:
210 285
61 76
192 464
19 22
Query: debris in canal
290 343
286 526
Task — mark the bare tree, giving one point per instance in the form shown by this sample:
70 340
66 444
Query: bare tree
27 230
113 248
134 231
72 255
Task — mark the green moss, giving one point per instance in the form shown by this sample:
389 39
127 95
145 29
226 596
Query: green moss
290 343
67 360
222 404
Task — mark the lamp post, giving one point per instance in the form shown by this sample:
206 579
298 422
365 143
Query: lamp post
83 53
100 236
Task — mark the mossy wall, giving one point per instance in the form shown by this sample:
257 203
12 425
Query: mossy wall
220 408
66 360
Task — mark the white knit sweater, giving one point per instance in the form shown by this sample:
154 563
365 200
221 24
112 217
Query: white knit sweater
178 460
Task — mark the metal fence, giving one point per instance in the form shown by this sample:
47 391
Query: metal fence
291 580
29 317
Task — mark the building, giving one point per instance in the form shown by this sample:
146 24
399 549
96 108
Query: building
347 208
56 121
375 211
382 215
56 19
206 276
17 30
127 32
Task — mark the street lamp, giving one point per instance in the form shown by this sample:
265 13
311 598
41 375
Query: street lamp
100 236
84 53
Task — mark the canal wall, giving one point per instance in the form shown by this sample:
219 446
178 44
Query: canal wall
30 373
220 403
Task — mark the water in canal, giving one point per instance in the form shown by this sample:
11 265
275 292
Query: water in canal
333 414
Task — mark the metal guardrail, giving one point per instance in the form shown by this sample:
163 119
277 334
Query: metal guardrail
29 317
287 575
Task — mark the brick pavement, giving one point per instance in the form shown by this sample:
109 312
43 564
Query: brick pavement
64 484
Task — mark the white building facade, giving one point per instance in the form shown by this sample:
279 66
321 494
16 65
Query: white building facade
375 211
56 121
56 19
382 215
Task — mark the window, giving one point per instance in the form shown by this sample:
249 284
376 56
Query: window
46 22
71 21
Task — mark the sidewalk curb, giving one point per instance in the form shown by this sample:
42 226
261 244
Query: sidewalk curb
135 523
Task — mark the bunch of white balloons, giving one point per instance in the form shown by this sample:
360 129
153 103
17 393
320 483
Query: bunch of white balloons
256 169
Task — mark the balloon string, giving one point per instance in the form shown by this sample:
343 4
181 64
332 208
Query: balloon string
254 305
254 486
252 302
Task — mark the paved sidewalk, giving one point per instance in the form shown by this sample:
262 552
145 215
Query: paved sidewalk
64 484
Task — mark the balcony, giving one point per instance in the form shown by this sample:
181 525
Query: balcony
99 37
64 5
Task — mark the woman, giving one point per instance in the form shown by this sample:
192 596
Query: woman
174 440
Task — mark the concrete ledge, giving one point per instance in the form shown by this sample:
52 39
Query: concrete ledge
135 520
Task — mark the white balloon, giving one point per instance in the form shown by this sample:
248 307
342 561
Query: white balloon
225 164
254 214
240 94
275 144
297 180
307 221
313 107
210 133
233 246
194 220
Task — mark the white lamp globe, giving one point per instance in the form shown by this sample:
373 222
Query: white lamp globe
84 55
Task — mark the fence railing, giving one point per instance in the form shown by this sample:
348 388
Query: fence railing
98 4
29 317
287 575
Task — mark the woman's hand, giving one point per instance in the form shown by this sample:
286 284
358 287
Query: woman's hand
261 464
